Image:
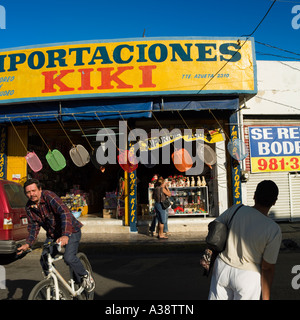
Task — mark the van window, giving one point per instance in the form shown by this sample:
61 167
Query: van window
15 195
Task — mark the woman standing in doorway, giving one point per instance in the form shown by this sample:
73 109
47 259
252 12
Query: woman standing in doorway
161 191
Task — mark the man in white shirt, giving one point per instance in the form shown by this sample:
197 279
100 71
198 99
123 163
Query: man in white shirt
245 269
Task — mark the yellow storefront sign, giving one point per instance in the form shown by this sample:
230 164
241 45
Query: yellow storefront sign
128 68
272 164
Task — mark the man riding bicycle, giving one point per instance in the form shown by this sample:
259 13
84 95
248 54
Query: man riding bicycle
44 208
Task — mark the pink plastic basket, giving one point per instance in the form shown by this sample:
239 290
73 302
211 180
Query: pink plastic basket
33 161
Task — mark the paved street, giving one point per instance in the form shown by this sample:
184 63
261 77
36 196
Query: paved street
149 271
122 276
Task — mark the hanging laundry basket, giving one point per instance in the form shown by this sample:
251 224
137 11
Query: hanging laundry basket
124 162
56 160
237 149
182 160
206 154
148 159
79 155
33 161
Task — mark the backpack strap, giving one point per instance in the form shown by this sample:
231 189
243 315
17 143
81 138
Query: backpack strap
234 214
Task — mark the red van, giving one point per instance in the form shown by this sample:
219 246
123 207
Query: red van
13 218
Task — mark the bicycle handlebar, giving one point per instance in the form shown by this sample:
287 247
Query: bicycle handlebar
60 249
22 254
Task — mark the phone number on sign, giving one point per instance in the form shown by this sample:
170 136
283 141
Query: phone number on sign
275 164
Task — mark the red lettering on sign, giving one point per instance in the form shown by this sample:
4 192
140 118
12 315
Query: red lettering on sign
107 78
86 79
50 81
147 77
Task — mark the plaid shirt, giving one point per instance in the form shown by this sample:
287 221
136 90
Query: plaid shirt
51 214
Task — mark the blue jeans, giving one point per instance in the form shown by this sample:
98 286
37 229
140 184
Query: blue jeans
154 222
161 214
70 257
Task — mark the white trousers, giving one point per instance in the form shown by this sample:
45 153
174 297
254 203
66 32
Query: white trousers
229 283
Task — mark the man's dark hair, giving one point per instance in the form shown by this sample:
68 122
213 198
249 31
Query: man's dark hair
32 181
266 193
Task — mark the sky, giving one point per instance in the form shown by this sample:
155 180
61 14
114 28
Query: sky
37 22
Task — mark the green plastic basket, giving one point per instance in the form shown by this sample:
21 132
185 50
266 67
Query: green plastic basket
56 160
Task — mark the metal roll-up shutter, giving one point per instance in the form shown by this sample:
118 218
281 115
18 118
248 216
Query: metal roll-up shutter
294 180
282 208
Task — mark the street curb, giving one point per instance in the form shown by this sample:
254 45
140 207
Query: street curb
127 243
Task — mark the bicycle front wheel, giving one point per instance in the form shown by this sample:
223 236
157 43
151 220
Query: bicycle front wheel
85 262
45 290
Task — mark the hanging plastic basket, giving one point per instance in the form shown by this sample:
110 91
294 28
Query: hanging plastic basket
148 159
56 160
124 162
79 155
93 159
206 154
131 156
33 161
182 160
31 158
237 149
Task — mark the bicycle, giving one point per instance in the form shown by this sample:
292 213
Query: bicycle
55 287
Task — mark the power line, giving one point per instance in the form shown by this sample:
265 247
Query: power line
248 36
288 1
287 65
279 103
276 55
261 21
225 64
274 47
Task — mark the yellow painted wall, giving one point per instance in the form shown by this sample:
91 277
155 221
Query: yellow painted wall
16 162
